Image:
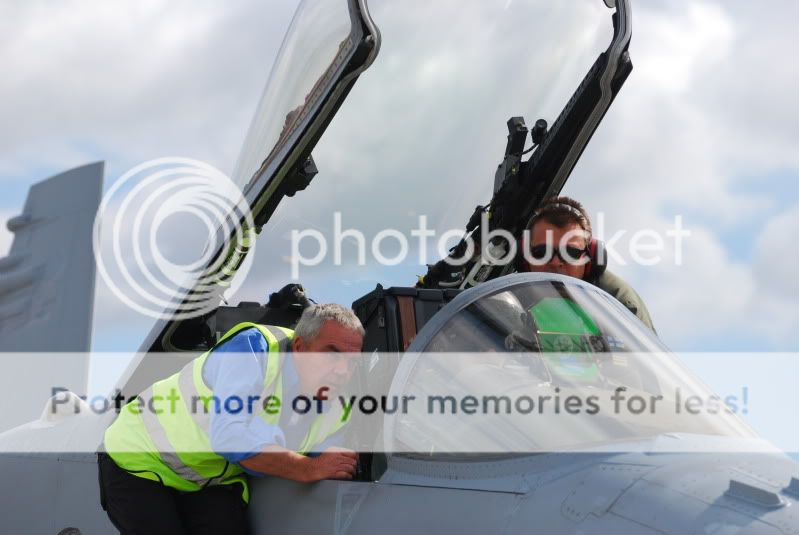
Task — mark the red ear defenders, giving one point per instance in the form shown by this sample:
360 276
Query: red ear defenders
597 260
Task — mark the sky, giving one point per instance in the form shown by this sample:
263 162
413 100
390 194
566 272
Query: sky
703 129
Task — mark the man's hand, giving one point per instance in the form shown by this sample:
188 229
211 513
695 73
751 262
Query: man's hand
333 463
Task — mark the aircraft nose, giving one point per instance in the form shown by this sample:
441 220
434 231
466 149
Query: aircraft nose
741 494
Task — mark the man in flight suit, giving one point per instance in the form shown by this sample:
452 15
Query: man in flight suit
561 242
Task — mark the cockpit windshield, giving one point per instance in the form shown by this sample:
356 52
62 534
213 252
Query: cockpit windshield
541 365
545 317
316 42
418 139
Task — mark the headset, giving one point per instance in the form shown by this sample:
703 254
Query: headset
597 260
597 253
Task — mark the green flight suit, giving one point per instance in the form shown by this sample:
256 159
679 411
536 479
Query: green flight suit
624 293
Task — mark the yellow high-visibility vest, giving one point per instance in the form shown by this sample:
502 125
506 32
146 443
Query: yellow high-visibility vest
163 435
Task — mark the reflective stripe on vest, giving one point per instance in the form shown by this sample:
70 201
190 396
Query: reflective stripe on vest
179 425
182 435
279 339
193 387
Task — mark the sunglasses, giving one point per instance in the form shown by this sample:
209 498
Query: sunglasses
567 254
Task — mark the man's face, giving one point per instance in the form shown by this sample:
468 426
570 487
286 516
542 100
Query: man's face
334 363
545 233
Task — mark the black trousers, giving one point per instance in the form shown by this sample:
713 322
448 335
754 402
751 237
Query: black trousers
140 506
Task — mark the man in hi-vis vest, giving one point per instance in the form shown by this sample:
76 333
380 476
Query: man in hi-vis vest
177 457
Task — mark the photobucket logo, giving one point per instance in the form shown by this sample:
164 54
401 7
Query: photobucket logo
144 205
645 247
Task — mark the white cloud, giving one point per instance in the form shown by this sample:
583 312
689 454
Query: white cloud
682 138
132 81
666 147
776 257
700 111
710 104
127 83
773 308
705 295
679 45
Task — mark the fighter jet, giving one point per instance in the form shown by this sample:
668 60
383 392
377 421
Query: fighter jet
541 336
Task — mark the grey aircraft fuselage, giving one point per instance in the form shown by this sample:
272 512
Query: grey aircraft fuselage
559 492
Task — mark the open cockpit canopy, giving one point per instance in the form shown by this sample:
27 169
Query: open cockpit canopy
533 363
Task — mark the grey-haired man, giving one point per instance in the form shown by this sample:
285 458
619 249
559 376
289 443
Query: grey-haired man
171 468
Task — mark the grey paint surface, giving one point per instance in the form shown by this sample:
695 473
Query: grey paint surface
44 494
47 292
545 493
570 492
563 493
567 493
48 277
